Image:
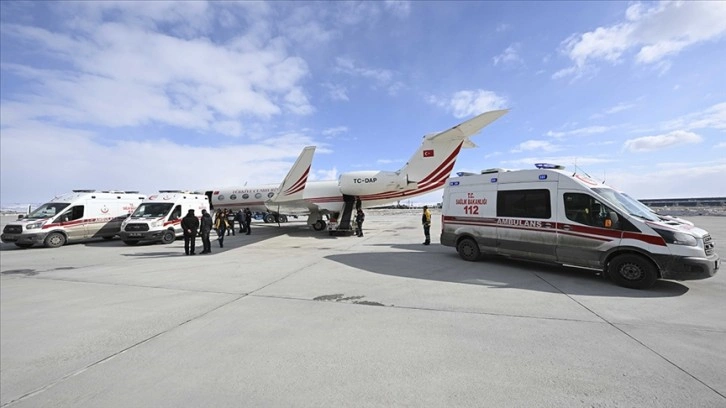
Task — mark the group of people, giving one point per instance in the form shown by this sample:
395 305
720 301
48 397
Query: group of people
224 220
222 223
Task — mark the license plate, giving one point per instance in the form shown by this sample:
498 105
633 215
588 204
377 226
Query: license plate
135 234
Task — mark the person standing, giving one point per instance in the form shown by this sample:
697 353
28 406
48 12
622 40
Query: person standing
359 218
239 217
230 221
248 220
426 221
190 225
221 224
206 228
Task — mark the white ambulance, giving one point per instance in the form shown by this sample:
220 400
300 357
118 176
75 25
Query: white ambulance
552 215
76 216
158 218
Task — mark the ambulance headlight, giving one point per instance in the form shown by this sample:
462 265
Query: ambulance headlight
34 225
677 238
157 224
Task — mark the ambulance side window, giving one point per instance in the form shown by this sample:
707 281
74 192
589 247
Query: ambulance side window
75 213
585 209
176 214
524 204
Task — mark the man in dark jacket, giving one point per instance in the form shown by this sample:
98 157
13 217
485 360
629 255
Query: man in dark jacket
248 220
190 225
205 229
359 218
230 219
239 216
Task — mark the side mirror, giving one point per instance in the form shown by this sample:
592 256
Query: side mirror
21 216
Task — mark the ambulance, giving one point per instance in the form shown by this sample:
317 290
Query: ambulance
551 215
76 216
158 218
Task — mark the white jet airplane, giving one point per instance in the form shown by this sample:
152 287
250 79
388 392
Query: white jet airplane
426 171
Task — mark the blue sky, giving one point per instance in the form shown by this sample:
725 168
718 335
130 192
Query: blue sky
196 95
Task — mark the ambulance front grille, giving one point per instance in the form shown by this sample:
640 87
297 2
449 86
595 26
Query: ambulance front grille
708 245
138 226
13 229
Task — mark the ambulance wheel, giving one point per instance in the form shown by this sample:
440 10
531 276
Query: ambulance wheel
131 242
282 218
632 271
468 249
319 225
54 240
23 245
168 237
269 218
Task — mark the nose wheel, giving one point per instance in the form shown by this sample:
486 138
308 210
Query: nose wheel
319 225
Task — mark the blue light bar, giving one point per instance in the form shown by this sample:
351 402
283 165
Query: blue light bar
548 166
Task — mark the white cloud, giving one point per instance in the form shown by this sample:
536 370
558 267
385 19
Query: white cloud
88 161
399 8
510 56
655 33
118 71
623 106
501 27
336 92
567 161
470 102
721 145
348 66
674 181
541 145
713 117
332 132
590 130
658 142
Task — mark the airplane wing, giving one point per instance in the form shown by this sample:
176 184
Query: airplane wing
468 128
293 185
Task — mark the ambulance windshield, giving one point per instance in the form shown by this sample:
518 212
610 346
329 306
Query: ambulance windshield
152 210
47 210
627 204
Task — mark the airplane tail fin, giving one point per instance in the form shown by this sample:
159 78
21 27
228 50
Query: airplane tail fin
293 185
435 158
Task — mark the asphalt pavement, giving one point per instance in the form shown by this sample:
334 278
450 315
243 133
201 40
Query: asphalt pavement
289 317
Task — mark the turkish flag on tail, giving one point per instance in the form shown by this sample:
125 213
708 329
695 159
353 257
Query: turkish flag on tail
428 153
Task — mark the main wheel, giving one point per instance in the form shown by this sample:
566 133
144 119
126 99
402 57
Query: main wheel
632 271
468 249
269 218
319 225
168 237
23 245
282 218
131 242
54 240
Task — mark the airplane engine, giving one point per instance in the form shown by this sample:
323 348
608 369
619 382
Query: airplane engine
372 182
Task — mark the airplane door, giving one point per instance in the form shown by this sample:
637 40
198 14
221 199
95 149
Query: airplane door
209 198
588 229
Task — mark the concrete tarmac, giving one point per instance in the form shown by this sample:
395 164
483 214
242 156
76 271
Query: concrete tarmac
289 317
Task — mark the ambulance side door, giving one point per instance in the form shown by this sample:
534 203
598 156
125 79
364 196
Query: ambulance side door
73 222
587 229
526 219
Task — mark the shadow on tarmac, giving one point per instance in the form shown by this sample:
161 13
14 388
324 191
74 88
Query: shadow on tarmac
439 263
